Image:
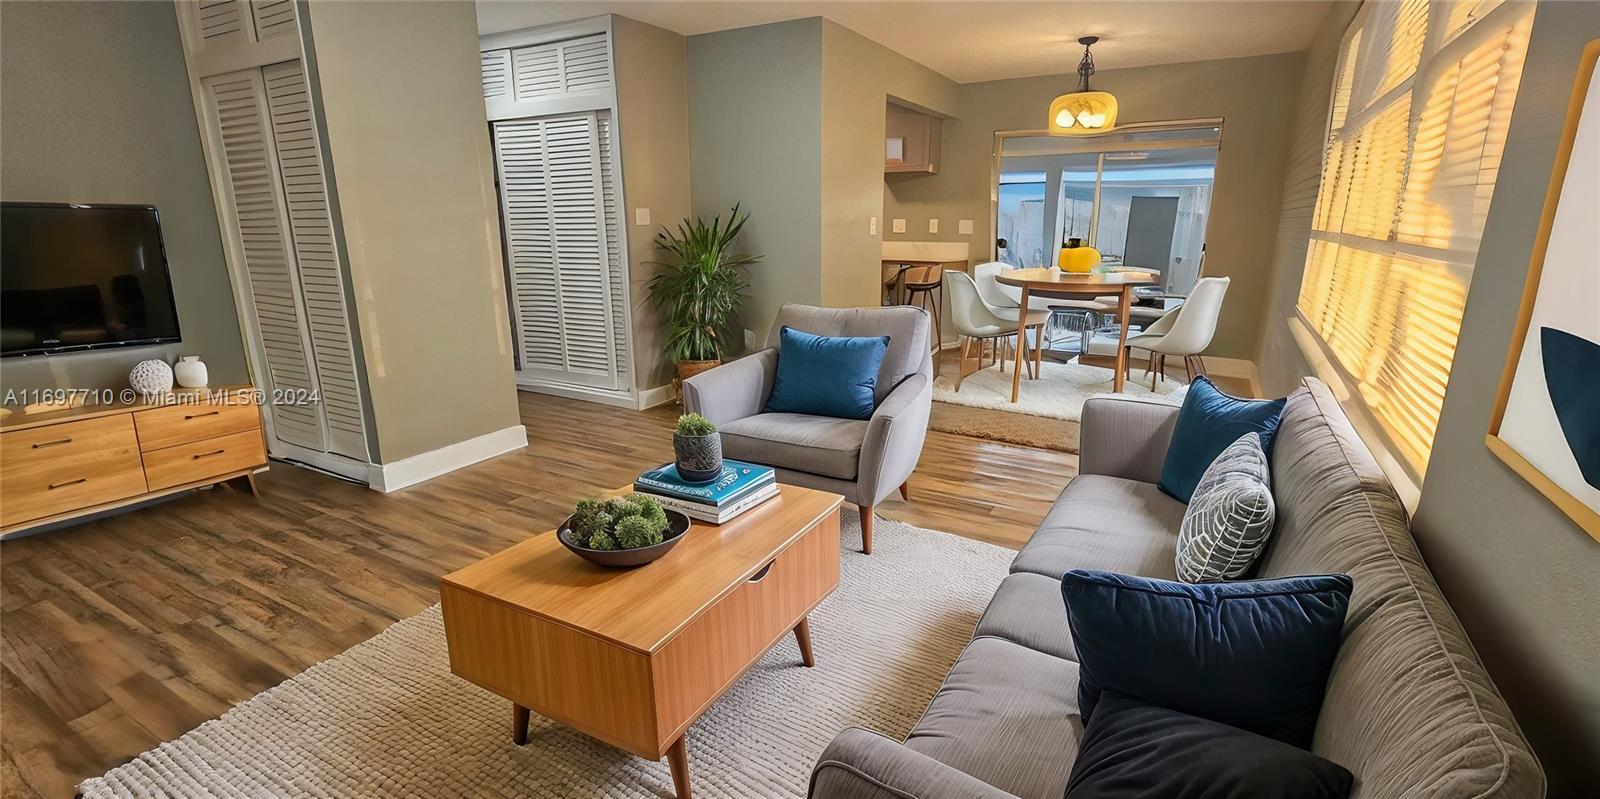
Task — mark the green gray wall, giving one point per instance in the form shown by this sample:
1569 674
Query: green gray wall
755 138
97 110
1522 576
1256 97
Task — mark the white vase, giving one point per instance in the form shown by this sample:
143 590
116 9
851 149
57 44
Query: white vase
151 377
191 372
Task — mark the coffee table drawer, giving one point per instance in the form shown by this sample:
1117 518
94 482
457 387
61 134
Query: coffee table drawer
716 648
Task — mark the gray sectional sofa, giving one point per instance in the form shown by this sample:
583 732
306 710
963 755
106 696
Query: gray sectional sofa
1409 708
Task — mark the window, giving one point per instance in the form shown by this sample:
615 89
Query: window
1421 101
1141 196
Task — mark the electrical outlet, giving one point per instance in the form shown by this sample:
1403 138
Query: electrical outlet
641 216
898 226
872 226
964 227
933 226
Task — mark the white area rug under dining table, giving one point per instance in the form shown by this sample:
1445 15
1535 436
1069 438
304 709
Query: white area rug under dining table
387 718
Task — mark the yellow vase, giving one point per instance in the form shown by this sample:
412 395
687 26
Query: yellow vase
1079 259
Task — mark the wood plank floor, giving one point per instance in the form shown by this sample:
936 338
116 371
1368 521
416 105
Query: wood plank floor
124 632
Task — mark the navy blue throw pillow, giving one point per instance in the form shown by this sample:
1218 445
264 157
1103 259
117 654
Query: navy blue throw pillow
1253 654
1135 750
826 375
1208 422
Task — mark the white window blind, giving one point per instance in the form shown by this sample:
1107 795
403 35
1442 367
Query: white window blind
1417 122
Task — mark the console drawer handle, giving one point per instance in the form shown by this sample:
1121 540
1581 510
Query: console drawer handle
54 486
208 454
762 575
67 440
188 416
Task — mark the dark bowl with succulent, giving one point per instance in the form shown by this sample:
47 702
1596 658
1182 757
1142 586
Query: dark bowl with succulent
623 531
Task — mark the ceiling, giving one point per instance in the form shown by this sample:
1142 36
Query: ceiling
969 41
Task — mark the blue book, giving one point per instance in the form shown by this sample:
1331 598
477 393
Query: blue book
738 479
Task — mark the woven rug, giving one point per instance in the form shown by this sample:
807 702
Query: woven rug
1059 393
387 718
1041 432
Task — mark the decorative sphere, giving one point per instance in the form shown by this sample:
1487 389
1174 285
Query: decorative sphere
151 377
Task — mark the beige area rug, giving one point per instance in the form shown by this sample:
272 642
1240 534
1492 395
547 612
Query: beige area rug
387 718
1011 428
1059 393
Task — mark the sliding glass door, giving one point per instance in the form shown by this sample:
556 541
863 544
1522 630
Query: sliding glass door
1142 196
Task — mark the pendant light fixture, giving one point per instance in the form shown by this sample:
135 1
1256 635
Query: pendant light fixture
1083 111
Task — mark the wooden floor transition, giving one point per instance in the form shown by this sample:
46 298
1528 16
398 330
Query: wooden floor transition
128 631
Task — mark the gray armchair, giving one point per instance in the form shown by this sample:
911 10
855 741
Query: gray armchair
864 460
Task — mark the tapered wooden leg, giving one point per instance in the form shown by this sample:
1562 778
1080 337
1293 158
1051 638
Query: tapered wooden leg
905 491
245 483
1188 367
802 636
1154 370
866 529
678 761
519 724
1038 353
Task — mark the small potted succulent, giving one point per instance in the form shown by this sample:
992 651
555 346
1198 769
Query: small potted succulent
622 531
698 446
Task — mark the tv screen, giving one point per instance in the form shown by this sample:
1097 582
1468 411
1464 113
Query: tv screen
80 277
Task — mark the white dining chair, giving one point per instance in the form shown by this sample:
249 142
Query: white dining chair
1186 330
977 322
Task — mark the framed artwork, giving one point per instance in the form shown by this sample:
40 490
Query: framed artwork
1546 423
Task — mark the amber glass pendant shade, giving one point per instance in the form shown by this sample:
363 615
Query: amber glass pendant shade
1083 112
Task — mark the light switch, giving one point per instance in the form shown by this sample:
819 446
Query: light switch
898 226
933 226
964 227
641 216
872 226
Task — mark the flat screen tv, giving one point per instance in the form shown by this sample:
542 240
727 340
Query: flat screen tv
82 277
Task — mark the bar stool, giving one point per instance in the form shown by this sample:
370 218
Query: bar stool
924 284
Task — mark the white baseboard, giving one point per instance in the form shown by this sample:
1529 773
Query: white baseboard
388 477
620 399
660 395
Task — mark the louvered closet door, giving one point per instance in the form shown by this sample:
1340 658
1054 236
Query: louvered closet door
237 106
311 233
561 257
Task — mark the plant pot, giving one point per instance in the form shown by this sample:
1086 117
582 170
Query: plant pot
677 525
688 369
699 457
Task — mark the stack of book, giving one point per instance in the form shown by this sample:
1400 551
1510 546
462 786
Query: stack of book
740 487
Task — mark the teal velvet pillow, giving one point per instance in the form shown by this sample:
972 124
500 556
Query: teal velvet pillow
826 375
1209 421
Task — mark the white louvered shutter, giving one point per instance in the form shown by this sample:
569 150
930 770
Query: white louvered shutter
496 74
542 71
552 188
273 18
237 106
221 23
321 285
616 267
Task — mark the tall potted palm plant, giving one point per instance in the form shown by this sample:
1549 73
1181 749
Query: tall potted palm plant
699 290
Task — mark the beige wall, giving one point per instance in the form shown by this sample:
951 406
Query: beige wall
409 150
1521 575
858 77
114 123
1256 97
653 123
1279 362
755 137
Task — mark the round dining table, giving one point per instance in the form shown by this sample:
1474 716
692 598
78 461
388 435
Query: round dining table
1056 283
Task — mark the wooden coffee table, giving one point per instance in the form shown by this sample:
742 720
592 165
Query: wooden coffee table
633 656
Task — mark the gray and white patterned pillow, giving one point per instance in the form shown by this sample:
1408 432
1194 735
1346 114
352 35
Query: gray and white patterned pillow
1229 517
